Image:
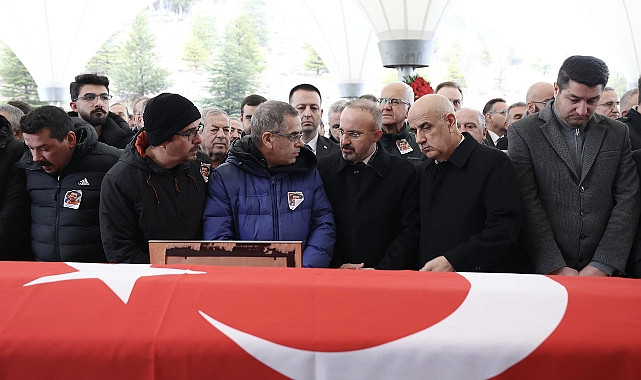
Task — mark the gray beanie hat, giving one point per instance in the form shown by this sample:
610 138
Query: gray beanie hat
166 114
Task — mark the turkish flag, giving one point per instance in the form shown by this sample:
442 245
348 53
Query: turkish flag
91 326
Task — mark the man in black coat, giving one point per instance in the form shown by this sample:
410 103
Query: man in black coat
14 206
373 195
306 98
155 191
64 165
90 101
469 205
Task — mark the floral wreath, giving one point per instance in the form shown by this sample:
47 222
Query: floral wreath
419 85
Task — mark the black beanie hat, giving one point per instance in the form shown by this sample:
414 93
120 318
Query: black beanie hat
166 114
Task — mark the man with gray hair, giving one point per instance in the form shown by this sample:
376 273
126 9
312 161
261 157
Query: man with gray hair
269 189
473 122
215 133
334 119
13 114
629 100
633 120
395 102
370 233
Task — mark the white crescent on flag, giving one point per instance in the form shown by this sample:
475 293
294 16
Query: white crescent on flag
501 325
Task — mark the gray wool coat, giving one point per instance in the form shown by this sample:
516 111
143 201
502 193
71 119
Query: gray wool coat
570 218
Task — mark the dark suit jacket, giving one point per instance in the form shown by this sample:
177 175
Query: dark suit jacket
469 209
326 147
633 120
376 223
570 218
633 267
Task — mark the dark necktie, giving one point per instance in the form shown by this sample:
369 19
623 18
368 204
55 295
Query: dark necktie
501 143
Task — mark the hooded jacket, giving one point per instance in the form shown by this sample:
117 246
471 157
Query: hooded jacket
248 201
115 132
141 201
60 231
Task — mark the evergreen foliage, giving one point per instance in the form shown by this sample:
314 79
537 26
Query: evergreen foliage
135 72
17 82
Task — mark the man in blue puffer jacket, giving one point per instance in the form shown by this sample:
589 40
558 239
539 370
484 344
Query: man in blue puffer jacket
269 189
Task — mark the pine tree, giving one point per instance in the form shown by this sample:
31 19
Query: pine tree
17 82
136 73
233 74
314 62
200 45
106 57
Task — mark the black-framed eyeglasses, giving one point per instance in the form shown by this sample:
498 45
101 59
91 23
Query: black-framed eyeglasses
90 97
392 101
353 135
294 137
546 101
504 112
190 134
609 104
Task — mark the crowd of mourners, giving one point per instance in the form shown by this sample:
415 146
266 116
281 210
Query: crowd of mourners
547 185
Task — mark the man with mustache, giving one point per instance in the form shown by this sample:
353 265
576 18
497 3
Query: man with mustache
156 190
374 195
306 98
215 132
64 160
269 189
90 100
579 185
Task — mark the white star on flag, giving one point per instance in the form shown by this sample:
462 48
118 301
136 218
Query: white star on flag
120 278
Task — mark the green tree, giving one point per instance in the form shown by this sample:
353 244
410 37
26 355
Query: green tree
453 60
201 44
135 72
106 57
17 82
234 72
313 62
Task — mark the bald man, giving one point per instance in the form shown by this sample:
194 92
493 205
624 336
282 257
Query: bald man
538 95
394 103
470 209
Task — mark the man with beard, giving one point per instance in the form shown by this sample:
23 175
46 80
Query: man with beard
215 133
90 101
537 96
156 190
269 189
579 185
373 195
306 98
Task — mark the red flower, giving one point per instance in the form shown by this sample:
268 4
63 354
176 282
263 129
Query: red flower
419 85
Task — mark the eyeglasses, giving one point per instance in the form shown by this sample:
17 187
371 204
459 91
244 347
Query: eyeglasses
546 101
504 112
609 104
294 137
190 134
91 97
392 101
353 135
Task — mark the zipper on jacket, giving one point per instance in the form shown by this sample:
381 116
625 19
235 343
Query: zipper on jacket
56 228
183 223
274 210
